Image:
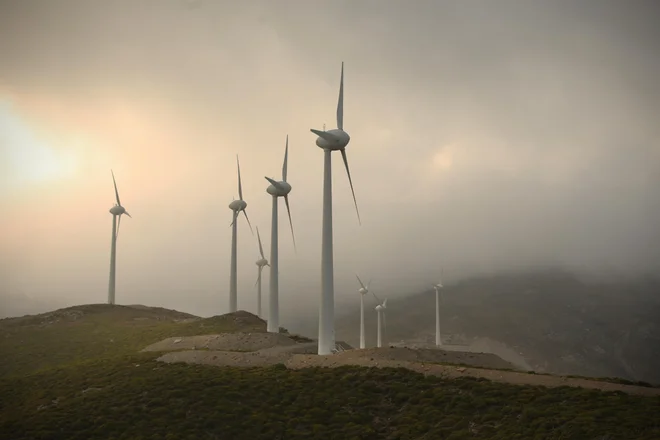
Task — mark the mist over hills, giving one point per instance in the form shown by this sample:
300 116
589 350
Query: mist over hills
557 321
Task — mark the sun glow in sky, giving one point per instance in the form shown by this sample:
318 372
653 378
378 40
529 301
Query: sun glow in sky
28 157
480 140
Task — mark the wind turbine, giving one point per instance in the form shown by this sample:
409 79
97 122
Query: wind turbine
329 141
116 212
260 264
277 189
438 339
382 320
236 206
363 291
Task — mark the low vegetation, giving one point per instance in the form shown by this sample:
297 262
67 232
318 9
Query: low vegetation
33 343
83 387
138 397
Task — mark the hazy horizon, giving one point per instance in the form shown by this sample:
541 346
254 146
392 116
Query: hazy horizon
484 137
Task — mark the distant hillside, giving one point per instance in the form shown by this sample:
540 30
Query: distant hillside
557 322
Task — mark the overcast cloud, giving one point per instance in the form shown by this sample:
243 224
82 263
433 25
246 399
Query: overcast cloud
485 136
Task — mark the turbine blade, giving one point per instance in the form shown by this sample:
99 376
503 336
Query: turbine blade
360 281
118 224
116 191
257 280
126 212
233 219
240 187
274 182
377 300
261 249
385 303
324 134
348 171
286 159
288 210
340 102
248 220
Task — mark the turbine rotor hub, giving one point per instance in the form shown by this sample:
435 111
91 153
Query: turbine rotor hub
282 189
336 139
117 210
238 205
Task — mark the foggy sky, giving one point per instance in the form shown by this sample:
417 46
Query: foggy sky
485 136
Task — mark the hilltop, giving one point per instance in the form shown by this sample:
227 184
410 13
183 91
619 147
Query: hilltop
101 331
101 371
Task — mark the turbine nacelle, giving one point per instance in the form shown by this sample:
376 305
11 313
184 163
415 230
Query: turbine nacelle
117 210
334 140
363 291
238 205
262 262
278 189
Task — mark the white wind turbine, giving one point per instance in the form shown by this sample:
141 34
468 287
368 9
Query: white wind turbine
438 339
116 212
236 206
363 291
382 320
329 141
277 189
261 262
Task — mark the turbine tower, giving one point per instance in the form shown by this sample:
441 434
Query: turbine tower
329 141
261 262
363 291
438 339
382 320
277 189
236 206
116 212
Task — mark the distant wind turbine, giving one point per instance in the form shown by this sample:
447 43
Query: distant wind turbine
236 206
116 212
382 320
261 262
363 291
277 189
329 141
438 339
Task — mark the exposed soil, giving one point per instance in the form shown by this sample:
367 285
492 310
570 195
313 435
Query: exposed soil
244 342
263 349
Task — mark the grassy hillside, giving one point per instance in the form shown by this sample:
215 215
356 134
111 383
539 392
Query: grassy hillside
78 374
66 336
136 397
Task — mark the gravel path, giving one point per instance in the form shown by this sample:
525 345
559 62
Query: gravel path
225 342
296 356
304 361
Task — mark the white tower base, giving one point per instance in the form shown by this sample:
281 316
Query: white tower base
273 299
113 261
233 287
438 339
362 344
327 312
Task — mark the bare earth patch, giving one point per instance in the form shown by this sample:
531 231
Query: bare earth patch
224 342
264 349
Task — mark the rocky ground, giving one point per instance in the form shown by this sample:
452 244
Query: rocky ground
263 349
242 342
